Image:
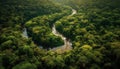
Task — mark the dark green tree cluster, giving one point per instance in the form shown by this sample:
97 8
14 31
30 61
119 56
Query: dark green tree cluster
17 51
96 24
19 11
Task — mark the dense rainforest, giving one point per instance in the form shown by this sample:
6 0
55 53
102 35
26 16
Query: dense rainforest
59 34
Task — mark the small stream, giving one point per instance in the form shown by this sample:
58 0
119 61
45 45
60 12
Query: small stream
25 33
73 12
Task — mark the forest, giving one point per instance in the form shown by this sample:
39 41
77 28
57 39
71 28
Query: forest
59 34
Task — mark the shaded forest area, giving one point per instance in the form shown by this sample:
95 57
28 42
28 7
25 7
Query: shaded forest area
94 32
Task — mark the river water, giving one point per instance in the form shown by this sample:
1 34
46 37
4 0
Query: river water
67 44
25 33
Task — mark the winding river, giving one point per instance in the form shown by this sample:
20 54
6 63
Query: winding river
67 44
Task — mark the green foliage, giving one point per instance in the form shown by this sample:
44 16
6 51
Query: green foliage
21 11
94 32
25 65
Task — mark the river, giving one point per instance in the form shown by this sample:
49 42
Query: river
67 44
